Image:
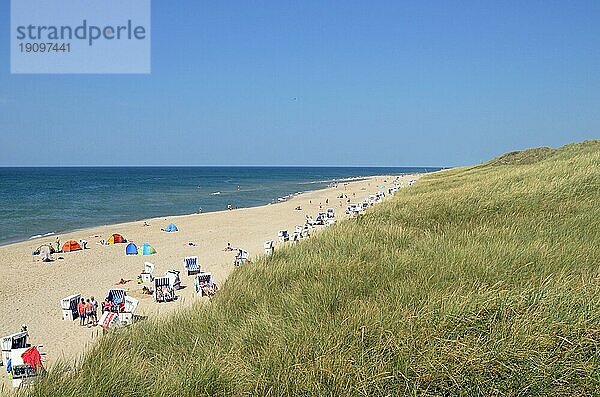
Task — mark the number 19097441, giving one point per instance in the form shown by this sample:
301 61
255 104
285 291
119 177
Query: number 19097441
45 47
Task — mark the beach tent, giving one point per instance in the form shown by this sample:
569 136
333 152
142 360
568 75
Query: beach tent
44 248
171 228
131 249
116 239
71 245
147 249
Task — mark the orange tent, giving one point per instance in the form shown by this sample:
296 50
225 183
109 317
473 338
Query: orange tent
116 238
71 245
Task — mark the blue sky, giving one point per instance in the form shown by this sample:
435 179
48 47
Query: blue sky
393 83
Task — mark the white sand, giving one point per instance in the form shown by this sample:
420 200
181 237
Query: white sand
31 290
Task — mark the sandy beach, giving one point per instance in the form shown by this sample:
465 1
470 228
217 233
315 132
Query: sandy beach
32 289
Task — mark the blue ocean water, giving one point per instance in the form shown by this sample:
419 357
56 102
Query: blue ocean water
37 201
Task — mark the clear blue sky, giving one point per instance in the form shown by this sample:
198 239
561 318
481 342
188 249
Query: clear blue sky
377 83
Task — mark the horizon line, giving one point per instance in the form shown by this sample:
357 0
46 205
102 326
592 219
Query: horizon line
223 166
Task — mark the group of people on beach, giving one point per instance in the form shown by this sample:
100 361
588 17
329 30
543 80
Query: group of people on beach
88 312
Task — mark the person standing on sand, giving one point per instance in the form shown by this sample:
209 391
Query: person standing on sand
94 303
57 244
81 311
88 312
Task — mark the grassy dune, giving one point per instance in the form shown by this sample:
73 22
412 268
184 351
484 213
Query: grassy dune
478 280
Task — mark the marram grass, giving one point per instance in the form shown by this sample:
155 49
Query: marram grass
481 280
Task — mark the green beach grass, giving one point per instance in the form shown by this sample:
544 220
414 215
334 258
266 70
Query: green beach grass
481 280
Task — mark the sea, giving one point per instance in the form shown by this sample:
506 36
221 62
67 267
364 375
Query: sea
53 200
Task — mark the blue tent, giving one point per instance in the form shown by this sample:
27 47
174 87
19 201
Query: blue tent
147 249
131 249
171 228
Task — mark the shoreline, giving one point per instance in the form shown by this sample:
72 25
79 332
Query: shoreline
125 222
37 287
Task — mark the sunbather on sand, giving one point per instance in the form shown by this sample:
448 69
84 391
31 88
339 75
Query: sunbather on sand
228 248
122 282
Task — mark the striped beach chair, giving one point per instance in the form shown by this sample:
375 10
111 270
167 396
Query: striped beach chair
163 292
204 285
117 296
191 265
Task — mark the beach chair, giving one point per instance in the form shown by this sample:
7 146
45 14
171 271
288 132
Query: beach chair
146 277
117 296
269 247
17 340
109 321
283 236
305 231
131 304
22 372
204 285
68 306
148 267
242 257
174 279
125 318
127 315
191 265
162 290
